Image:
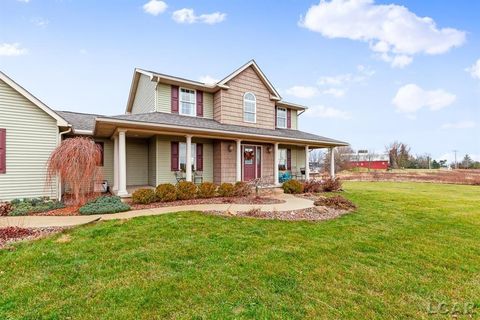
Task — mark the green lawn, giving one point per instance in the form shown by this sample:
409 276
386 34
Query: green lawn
408 245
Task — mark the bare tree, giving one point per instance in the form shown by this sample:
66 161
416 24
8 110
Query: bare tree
343 156
399 154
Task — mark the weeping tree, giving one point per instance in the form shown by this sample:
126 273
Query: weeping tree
75 162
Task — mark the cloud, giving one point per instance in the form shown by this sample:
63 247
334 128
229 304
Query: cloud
302 91
40 22
327 112
459 125
361 75
392 31
411 98
155 7
208 79
474 70
24 1
12 50
188 16
337 93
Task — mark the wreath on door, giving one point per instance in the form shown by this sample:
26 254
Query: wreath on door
248 155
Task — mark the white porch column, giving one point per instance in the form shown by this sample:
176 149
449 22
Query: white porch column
188 165
275 163
307 163
332 163
115 163
122 164
238 162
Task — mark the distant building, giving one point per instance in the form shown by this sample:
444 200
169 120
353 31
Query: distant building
369 161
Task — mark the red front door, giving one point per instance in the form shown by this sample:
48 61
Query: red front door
249 163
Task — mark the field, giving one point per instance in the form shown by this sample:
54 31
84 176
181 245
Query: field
459 176
409 247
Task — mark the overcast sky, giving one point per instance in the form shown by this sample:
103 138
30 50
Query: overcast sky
370 71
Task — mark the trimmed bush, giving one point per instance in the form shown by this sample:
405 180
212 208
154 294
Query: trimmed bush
186 190
331 185
312 186
206 190
166 192
104 204
292 186
242 189
337 202
144 196
23 207
5 208
225 190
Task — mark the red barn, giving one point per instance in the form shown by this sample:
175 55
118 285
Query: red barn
369 161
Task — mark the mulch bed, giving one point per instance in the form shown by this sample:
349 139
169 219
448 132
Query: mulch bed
309 214
9 235
217 200
67 211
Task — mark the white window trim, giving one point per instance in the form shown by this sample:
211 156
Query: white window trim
285 109
194 155
255 111
180 102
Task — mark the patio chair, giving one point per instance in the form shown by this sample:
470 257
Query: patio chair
179 176
197 176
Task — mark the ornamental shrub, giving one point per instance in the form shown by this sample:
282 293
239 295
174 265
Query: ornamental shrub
166 192
242 189
5 208
336 202
225 190
186 190
331 185
104 204
143 196
206 190
26 206
312 186
292 186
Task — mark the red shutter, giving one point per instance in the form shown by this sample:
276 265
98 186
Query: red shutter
199 103
276 122
289 118
174 156
289 159
199 157
3 150
174 99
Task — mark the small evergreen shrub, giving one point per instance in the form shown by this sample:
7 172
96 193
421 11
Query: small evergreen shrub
144 196
331 185
312 186
104 204
26 206
186 190
166 192
242 189
206 190
225 190
292 186
5 208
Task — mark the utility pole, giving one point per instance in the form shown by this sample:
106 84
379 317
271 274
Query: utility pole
456 165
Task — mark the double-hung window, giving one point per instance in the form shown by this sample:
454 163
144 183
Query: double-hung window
249 107
182 157
282 159
281 118
187 102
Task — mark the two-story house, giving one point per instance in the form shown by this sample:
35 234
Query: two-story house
238 129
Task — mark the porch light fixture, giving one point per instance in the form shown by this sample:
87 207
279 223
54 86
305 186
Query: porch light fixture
230 148
269 149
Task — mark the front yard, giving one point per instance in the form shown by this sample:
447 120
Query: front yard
408 247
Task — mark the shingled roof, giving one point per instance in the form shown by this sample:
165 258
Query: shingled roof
80 121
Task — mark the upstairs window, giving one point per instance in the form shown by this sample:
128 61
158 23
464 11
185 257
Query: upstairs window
281 118
249 107
187 102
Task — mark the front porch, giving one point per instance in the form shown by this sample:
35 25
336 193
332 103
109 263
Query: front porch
148 158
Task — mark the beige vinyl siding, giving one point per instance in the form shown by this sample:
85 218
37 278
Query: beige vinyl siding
164 173
107 160
31 137
145 96
164 96
137 162
294 117
152 164
298 156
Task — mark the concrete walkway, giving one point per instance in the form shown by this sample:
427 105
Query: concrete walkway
291 203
